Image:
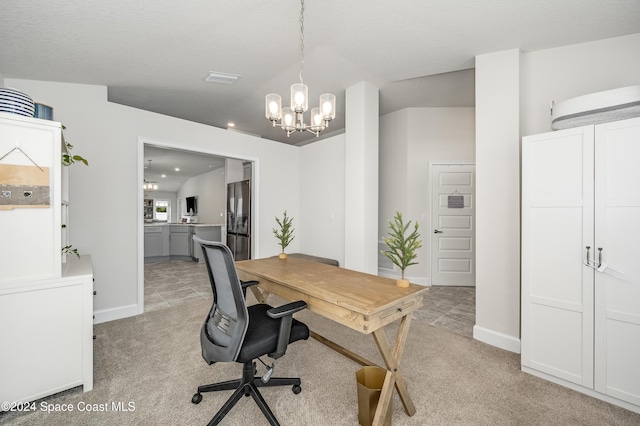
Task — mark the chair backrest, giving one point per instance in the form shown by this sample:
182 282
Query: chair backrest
226 324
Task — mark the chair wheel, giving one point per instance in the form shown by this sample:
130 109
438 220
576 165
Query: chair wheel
296 389
196 398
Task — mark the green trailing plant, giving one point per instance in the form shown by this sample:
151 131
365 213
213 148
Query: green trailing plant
284 232
70 250
68 158
401 248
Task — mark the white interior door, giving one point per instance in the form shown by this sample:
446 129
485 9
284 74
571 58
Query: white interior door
453 224
617 304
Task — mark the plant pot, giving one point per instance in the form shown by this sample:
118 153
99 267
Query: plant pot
282 255
402 283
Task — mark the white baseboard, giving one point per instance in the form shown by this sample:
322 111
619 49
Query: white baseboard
112 314
581 389
493 338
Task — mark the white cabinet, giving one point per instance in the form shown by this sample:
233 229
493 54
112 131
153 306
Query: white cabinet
46 308
580 261
47 334
30 198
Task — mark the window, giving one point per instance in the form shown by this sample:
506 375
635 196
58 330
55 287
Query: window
162 210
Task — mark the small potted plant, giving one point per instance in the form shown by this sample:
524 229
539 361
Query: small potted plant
401 248
284 233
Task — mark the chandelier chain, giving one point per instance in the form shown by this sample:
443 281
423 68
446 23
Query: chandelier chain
301 38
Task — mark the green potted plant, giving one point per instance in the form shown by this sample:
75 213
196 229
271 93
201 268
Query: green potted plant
284 232
68 158
401 248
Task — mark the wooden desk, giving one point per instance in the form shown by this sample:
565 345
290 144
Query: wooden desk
363 302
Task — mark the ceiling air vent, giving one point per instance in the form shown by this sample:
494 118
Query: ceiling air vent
220 77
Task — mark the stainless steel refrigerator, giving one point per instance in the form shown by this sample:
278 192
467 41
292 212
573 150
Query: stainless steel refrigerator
239 219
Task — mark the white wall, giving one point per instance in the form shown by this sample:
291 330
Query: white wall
409 140
576 70
107 135
234 170
320 227
546 75
498 199
211 189
394 174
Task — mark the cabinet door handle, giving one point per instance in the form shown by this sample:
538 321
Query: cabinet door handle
587 261
435 231
599 257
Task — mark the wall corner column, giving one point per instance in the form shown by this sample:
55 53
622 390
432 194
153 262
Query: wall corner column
361 178
498 199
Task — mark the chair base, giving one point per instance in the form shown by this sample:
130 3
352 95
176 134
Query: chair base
246 386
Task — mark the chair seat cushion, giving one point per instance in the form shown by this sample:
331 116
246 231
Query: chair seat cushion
262 334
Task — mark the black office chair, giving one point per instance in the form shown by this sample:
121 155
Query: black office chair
234 332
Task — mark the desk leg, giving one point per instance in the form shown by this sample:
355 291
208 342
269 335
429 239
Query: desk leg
394 375
259 294
341 349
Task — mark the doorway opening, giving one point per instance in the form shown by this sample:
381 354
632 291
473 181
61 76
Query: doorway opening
183 173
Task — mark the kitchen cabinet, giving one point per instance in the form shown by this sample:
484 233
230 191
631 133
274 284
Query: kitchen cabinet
207 233
165 241
580 274
152 241
179 240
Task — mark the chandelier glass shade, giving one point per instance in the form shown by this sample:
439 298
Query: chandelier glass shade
150 186
291 119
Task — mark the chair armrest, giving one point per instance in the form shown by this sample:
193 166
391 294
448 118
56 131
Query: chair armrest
288 309
285 314
245 285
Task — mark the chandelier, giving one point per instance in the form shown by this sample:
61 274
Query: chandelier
147 184
150 186
292 118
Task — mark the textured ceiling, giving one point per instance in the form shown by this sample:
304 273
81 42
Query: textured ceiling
155 54
160 166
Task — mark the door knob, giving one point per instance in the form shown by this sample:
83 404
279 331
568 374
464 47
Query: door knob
435 231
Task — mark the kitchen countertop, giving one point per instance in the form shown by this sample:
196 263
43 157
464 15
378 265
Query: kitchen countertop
196 225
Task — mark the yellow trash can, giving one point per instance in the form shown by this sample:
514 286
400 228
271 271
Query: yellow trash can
370 380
